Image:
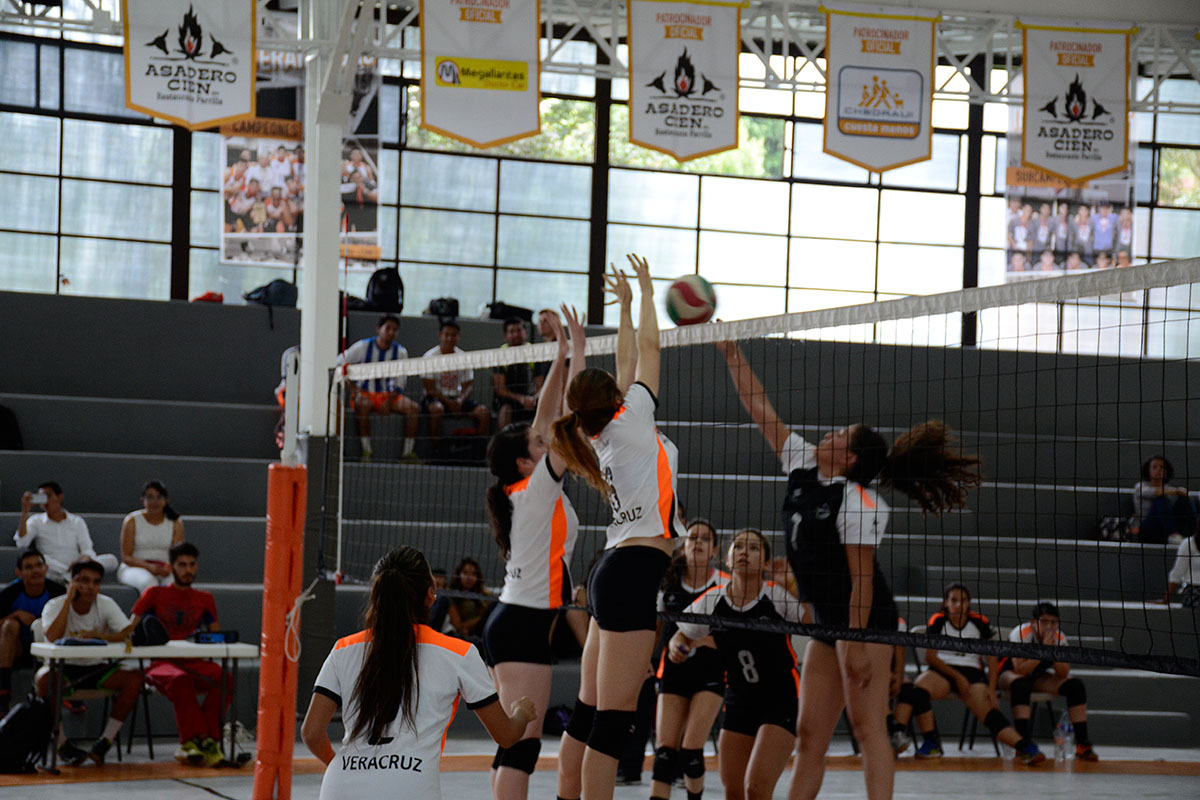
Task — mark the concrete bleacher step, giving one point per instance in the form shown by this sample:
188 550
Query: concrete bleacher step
112 482
157 427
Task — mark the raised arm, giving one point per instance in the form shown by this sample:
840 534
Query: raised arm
754 398
578 348
647 331
550 403
616 284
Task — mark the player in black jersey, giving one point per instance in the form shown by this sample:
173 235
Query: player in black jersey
834 522
689 693
759 727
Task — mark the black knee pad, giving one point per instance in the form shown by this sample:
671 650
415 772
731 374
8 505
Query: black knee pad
919 698
499 758
995 721
523 755
611 731
1020 691
1074 691
664 764
579 727
693 763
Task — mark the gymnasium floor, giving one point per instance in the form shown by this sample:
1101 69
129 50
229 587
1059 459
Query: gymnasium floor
1124 774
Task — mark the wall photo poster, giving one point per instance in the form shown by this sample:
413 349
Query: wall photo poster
683 76
481 70
879 85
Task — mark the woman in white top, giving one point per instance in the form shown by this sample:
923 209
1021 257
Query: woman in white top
399 683
610 439
535 527
146 538
1185 573
1163 511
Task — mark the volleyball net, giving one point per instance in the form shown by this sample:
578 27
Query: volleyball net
1063 387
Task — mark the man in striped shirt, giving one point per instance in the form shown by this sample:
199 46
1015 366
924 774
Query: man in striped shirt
381 395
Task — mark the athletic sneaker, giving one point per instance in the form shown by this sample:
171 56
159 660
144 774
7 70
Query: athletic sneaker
1030 756
929 750
1084 752
900 741
100 750
75 706
190 753
211 751
68 753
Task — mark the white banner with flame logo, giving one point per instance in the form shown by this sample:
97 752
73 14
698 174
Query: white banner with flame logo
879 86
190 63
1075 116
683 76
480 69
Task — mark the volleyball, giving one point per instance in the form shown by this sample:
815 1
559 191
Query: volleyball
691 300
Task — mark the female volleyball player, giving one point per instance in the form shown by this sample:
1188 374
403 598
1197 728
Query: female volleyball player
972 677
759 727
689 692
610 439
535 526
834 522
400 682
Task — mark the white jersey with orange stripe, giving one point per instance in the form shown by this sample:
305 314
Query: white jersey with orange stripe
542 541
405 762
1024 633
640 466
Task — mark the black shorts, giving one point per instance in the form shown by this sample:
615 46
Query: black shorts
468 404
623 588
78 677
518 633
972 674
702 672
746 712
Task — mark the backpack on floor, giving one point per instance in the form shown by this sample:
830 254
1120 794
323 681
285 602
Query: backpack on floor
24 734
385 290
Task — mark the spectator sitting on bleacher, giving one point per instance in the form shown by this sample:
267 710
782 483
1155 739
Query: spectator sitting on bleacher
21 603
466 615
59 535
515 387
381 395
441 603
1185 574
84 613
1166 513
1024 676
146 539
971 676
183 610
449 392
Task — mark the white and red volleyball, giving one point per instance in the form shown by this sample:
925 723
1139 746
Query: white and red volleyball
691 300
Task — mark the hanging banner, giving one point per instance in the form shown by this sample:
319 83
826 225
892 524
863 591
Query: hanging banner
263 171
1076 105
879 86
480 70
683 76
191 66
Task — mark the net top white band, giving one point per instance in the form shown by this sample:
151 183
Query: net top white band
1090 284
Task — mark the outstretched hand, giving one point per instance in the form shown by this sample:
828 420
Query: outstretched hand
574 322
641 268
616 283
556 326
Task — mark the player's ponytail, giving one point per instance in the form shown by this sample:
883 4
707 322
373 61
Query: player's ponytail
923 464
594 399
387 687
503 451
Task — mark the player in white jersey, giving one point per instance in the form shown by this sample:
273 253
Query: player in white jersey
610 439
399 684
535 527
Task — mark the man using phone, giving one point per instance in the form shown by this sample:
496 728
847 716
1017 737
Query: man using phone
184 610
59 535
21 603
84 613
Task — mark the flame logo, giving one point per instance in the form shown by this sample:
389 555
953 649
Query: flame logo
685 75
1076 100
190 35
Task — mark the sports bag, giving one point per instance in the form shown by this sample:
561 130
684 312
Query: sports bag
385 290
24 734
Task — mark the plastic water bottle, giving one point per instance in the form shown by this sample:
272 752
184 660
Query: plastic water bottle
1062 731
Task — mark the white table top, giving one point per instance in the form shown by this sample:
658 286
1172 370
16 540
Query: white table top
116 650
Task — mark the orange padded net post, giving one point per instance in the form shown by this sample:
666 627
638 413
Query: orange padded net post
286 498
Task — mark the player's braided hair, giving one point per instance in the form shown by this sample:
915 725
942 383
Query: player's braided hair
923 463
593 398
388 687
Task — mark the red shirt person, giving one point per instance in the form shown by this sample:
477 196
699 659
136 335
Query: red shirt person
184 610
